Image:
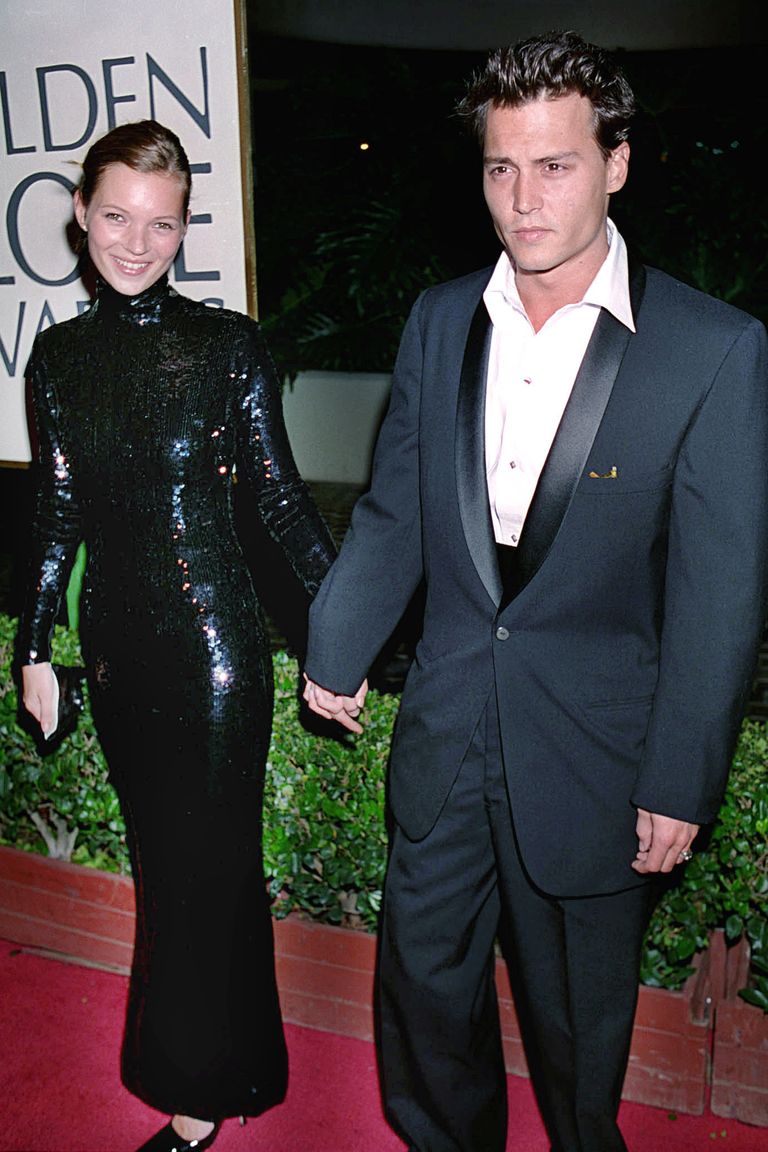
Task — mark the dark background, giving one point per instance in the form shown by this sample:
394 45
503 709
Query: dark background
346 238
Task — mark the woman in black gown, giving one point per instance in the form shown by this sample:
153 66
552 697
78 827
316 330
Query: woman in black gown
147 407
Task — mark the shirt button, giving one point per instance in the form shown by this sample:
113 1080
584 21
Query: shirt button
502 633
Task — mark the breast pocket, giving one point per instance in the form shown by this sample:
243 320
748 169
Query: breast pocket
613 480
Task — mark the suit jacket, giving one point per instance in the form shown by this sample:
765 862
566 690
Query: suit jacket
622 663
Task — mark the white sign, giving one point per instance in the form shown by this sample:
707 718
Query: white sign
69 73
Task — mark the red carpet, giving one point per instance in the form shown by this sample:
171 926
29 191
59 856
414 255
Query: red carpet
60 1028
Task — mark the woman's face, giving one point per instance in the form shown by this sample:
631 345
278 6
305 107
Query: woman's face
135 223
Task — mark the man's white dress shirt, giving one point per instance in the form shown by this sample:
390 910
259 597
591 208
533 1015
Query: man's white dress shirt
530 377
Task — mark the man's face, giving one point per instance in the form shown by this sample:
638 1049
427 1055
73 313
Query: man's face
547 185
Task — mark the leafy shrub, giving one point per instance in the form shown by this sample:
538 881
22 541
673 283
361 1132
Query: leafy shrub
726 884
63 797
324 835
324 829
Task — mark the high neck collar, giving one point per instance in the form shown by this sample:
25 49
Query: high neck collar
145 308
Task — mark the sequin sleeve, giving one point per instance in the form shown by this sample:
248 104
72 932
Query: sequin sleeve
56 526
265 460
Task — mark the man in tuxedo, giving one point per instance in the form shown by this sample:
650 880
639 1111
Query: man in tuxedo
575 464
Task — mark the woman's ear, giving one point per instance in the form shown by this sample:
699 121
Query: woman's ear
79 209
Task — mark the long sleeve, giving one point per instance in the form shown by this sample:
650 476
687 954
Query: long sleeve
381 562
715 589
264 456
56 528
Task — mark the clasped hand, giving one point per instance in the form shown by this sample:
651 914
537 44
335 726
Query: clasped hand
333 706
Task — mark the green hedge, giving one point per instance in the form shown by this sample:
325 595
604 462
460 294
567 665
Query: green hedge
324 834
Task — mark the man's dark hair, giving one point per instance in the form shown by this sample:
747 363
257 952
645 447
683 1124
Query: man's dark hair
552 65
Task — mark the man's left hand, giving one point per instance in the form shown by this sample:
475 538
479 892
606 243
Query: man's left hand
334 706
662 842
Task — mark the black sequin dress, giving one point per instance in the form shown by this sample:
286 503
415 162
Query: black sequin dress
147 411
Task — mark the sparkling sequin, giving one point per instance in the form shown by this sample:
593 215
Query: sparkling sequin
144 408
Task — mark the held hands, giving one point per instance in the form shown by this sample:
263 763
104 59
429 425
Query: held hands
39 694
329 705
662 842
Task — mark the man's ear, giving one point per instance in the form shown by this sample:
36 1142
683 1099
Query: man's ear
617 166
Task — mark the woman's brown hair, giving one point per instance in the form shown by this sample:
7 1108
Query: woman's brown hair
144 146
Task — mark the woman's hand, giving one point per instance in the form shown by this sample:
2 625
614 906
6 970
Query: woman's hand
39 695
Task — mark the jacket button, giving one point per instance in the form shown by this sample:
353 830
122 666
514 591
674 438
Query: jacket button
502 633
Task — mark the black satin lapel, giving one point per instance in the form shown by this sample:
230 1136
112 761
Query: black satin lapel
470 453
576 433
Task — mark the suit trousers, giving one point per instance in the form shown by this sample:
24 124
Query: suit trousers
574 969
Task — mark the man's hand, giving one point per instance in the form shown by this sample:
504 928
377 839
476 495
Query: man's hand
331 706
39 694
662 842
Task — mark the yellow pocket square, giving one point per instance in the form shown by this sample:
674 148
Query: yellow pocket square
612 475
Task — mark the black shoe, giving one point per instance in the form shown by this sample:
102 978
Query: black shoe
168 1140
